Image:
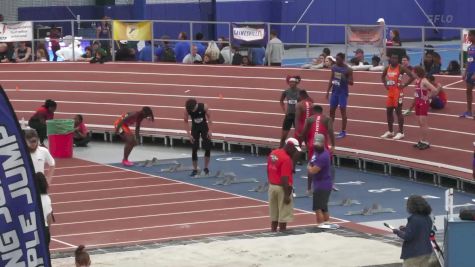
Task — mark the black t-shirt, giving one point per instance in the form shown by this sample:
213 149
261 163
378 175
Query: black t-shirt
198 117
7 54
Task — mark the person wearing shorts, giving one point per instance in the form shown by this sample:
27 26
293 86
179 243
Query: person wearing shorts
280 177
291 97
303 111
422 95
38 120
438 98
319 170
392 80
469 74
340 78
122 128
200 128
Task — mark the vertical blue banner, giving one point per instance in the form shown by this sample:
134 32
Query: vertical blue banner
22 240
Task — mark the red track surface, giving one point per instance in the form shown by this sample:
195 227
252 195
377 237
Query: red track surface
249 106
103 206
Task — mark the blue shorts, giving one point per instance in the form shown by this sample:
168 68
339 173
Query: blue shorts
338 100
437 103
469 79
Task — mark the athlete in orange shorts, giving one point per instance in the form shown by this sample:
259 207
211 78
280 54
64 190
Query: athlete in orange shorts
392 80
121 126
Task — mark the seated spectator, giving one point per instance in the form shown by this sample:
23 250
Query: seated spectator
82 258
73 50
326 51
453 68
436 67
237 57
221 41
125 53
146 53
207 59
43 52
81 135
376 64
6 54
227 53
39 118
199 44
431 63
214 53
193 56
95 46
182 48
393 43
22 52
406 62
99 56
358 59
329 62
245 61
88 55
165 53
317 63
258 55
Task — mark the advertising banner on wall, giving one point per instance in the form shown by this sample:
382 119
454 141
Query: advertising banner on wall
248 35
132 31
368 35
16 32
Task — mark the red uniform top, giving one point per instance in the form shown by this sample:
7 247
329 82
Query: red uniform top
44 113
279 164
442 96
421 93
304 115
318 127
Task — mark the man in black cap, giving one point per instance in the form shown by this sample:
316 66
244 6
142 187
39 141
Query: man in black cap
358 58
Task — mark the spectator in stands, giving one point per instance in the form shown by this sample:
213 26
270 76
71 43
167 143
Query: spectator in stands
214 53
99 56
317 63
165 53
125 53
42 186
193 56
416 248
207 59
376 64
39 118
88 55
406 62
245 61
326 51
81 257
453 68
104 31
6 54
95 46
274 50
81 135
43 54
199 44
436 67
23 52
358 59
39 155
227 53
329 62
431 63
393 45
182 48
258 55
147 53
55 36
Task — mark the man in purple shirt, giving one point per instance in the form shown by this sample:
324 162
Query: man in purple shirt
319 169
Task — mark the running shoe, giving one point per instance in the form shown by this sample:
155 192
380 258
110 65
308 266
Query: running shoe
194 173
336 189
407 112
341 134
418 145
127 163
387 134
466 115
398 136
206 171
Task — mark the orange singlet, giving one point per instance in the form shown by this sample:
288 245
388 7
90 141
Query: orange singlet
393 81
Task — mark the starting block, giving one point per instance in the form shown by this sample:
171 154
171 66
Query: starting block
345 203
155 162
177 168
375 209
230 178
217 174
260 188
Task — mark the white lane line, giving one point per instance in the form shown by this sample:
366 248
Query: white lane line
162 214
79 166
171 225
149 205
454 83
86 173
114 188
128 197
103 181
64 243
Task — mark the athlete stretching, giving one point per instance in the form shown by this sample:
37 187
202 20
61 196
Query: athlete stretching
392 80
341 77
200 128
121 126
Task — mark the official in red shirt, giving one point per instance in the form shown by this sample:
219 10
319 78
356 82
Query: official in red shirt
280 176
38 120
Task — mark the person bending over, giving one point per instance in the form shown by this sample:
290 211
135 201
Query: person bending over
38 120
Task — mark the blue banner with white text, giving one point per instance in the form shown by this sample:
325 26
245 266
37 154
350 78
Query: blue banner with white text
22 239
248 35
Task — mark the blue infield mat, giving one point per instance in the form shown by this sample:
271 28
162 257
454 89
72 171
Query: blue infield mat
366 188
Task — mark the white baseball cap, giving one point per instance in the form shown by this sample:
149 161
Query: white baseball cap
294 142
380 20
